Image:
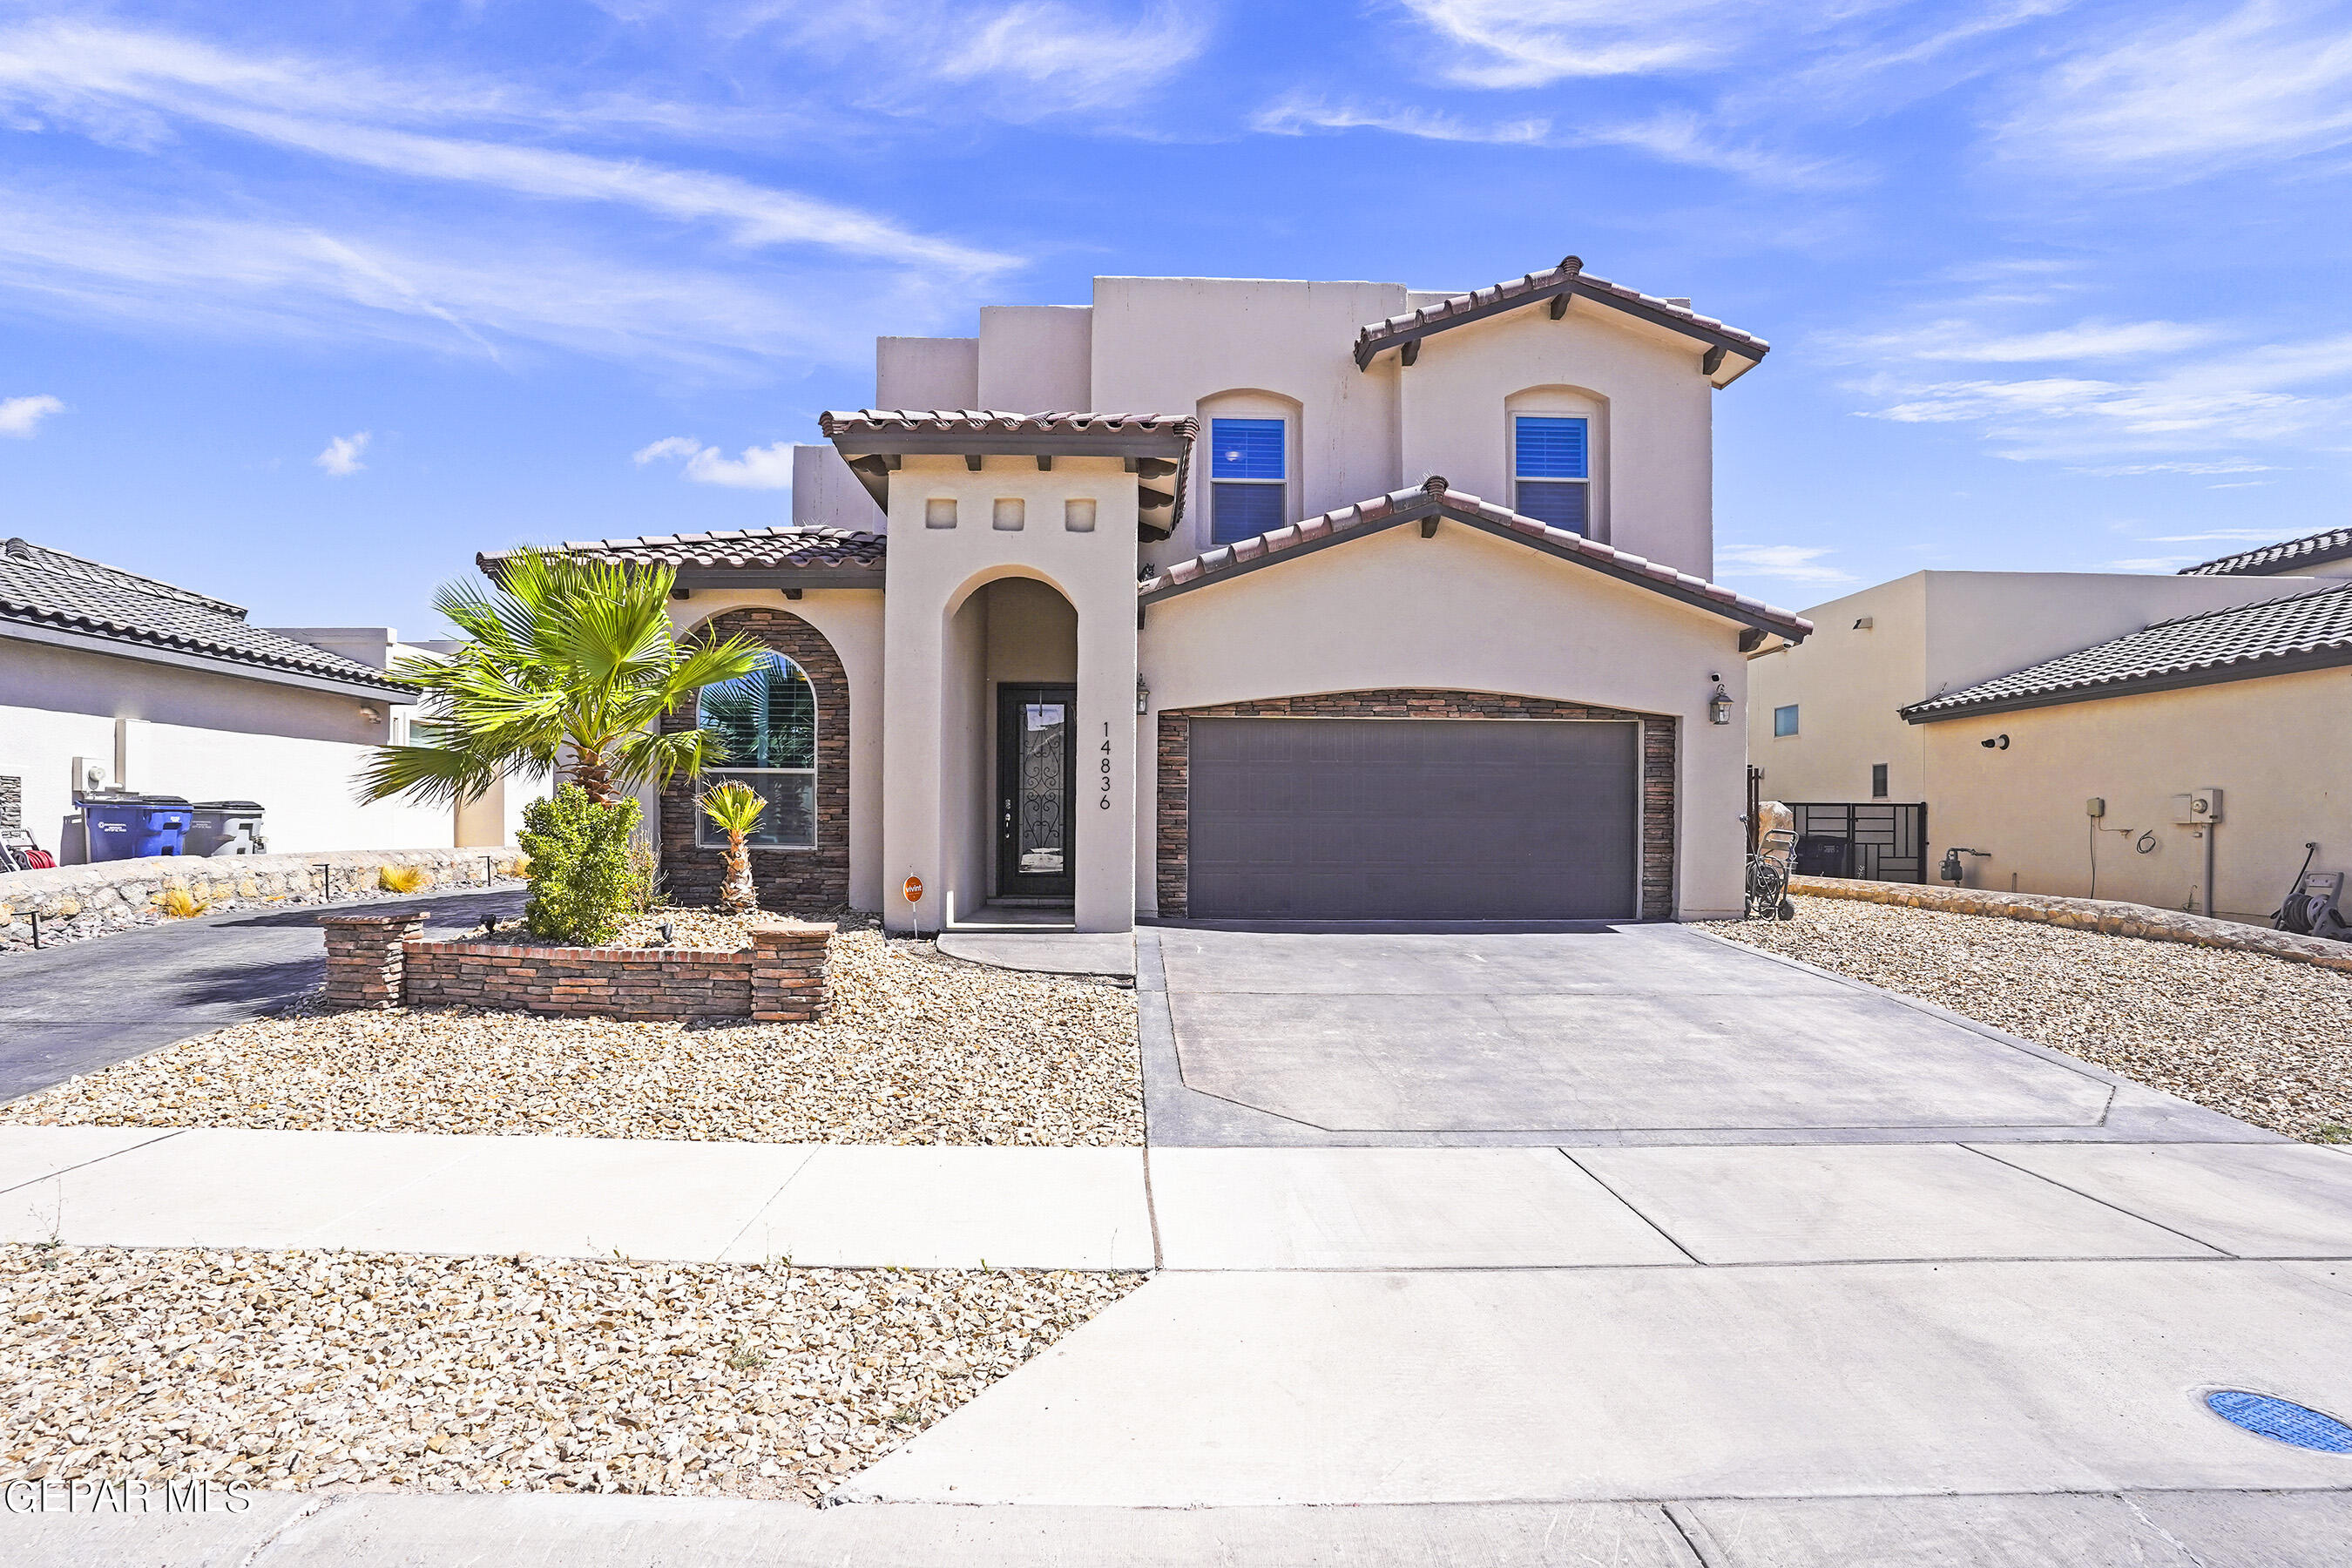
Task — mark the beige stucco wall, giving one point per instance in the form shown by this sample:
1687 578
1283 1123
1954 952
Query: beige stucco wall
852 620
1036 359
2279 748
1936 632
826 494
927 373
1653 426
1162 345
928 828
1395 609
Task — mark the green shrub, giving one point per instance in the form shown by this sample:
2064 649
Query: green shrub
580 879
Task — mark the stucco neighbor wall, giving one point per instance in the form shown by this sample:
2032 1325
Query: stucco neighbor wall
1938 632
164 729
2279 748
1395 611
1036 359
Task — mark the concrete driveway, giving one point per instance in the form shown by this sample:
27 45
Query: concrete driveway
1613 1035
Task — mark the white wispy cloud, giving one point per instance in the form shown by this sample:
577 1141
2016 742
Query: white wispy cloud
342 458
1022 61
2218 465
1793 562
2262 395
2219 536
1963 341
453 288
1673 138
20 416
1532 43
759 468
2172 99
132 87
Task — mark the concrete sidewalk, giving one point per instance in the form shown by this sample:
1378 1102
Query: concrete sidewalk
846 1206
356 1530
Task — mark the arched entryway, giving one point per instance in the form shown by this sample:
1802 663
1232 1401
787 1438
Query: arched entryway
1009 763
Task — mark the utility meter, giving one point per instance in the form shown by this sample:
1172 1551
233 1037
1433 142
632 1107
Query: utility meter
2198 807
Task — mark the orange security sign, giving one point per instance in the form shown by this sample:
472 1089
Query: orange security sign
914 889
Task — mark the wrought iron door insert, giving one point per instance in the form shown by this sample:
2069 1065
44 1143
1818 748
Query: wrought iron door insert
1036 780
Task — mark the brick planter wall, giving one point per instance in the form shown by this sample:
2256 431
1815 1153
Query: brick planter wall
365 959
2111 916
377 961
1174 827
814 879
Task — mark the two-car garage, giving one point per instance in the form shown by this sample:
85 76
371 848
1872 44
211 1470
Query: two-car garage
1397 818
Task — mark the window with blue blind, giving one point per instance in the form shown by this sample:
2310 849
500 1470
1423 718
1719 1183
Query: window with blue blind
1551 470
1248 478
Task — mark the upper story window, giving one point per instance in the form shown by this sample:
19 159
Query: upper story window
768 720
1248 478
1551 470
1784 720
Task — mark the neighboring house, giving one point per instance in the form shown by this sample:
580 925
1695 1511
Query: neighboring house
1096 661
167 692
2002 705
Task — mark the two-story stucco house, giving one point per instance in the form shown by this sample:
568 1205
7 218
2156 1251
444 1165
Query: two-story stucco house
1257 600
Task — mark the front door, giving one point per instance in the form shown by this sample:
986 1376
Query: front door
1036 775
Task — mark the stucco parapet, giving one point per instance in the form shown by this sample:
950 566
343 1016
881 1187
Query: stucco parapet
2111 916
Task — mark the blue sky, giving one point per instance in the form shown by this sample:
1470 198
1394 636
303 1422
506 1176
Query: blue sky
303 305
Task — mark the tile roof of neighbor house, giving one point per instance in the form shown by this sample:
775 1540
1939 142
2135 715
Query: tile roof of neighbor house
2277 559
48 589
2278 636
737 549
1567 277
1434 499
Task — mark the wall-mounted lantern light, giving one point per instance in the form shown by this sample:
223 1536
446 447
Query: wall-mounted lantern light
1142 696
1718 707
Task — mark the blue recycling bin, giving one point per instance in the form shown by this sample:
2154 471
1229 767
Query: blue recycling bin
129 827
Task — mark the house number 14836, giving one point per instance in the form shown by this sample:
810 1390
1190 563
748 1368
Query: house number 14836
1103 800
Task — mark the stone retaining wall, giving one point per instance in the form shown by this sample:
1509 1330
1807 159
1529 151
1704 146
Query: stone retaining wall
227 881
379 961
2107 915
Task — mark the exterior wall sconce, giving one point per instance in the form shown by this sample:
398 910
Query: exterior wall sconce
1142 696
1998 744
1718 707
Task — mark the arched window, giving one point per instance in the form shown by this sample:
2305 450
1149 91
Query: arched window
766 724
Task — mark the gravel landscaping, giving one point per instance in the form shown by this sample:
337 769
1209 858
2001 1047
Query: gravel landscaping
2261 1038
295 1370
917 1048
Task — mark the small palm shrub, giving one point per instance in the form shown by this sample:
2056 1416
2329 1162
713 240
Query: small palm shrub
403 878
581 881
736 809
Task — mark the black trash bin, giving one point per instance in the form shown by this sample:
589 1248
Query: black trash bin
225 827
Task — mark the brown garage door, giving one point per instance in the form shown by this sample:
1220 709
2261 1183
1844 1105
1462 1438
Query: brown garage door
1413 819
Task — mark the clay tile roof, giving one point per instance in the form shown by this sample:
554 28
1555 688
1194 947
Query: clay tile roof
745 548
1567 277
45 588
2279 559
836 423
1434 498
2305 631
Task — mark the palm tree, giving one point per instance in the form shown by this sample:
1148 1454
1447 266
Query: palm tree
736 809
566 658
